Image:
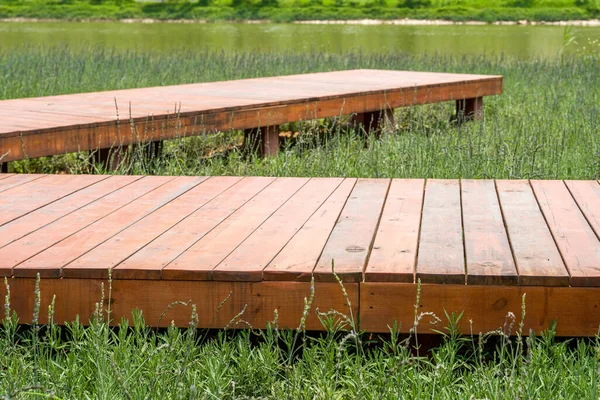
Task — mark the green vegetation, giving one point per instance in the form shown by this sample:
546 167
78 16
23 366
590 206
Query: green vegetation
136 361
295 10
544 125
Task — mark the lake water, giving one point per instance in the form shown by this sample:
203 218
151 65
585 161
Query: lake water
512 41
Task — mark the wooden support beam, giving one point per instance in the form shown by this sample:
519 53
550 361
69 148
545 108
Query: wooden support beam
112 159
469 109
374 121
262 140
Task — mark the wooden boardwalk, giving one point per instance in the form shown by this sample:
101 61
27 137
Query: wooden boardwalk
476 245
46 126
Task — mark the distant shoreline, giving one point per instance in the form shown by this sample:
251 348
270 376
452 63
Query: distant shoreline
404 21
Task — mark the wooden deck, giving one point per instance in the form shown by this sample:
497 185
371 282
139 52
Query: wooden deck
46 126
476 245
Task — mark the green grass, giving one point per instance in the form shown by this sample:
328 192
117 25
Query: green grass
293 10
544 125
136 361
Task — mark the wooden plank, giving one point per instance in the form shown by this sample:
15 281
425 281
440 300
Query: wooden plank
15 180
228 105
351 240
54 260
30 245
394 254
150 260
247 261
441 252
97 261
488 253
297 260
587 196
258 300
576 241
200 259
43 216
536 256
24 199
484 308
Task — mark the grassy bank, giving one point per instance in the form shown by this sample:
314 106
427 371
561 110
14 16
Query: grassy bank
544 125
299 10
136 361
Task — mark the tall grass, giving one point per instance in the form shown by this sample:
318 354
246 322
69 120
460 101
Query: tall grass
135 361
544 125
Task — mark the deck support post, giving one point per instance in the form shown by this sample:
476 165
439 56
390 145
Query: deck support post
262 140
111 158
373 121
469 109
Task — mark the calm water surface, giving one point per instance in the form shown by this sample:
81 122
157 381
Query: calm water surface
513 41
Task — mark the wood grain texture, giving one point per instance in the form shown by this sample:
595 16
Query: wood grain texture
576 241
29 245
23 199
247 261
15 180
537 258
488 253
150 260
86 121
587 196
43 216
127 242
441 253
257 300
199 260
57 259
297 260
350 243
576 309
394 253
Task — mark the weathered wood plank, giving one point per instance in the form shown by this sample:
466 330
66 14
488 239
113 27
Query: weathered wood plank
32 244
441 253
150 260
537 258
394 253
297 260
247 261
199 260
576 241
488 253
350 243
110 253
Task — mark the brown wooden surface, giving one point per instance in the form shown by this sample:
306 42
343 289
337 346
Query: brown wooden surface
441 253
394 253
537 258
487 251
347 249
52 125
477 246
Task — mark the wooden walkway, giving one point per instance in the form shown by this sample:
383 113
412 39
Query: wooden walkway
46 126
476 245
